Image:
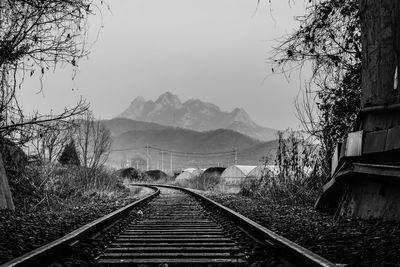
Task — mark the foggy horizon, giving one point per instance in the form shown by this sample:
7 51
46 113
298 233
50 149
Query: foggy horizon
218 55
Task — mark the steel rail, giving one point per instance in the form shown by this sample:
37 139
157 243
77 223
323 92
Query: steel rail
49 252
288 251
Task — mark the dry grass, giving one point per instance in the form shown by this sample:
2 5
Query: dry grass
300 176
56 185
273 189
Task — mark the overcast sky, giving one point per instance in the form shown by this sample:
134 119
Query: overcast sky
212 50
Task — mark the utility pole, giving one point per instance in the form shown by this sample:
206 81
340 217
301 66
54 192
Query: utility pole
170 162
147 157
235 156
162 160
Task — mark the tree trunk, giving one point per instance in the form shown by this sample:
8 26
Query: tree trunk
6 201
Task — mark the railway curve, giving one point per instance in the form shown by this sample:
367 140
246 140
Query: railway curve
172 226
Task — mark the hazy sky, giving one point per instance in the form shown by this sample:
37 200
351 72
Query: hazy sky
212 50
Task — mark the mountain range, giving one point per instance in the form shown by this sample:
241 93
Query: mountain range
168 144
196 115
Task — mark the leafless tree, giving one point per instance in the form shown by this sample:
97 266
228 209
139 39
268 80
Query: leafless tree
328 40
35 36
48 142
93 143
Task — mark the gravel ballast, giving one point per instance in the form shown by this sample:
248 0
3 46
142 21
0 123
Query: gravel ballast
354 242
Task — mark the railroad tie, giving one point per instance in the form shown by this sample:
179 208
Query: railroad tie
175 229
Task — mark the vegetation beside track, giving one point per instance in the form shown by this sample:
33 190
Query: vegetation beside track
54 198
24 231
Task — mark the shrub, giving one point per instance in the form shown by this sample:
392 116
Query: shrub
130 173
60 184
154 175
300 177
69 156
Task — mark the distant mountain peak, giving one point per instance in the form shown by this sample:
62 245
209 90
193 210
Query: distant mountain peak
238 110
239 114
138 100
168 99
194 114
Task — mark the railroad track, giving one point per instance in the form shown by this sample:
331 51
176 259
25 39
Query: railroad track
172 226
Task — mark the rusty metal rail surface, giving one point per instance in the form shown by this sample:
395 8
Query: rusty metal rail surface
174 226
48 254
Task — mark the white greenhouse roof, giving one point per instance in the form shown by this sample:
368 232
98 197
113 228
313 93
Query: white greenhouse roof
246 169
190 170
257 172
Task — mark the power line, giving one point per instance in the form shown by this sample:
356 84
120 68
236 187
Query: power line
190 153
203 156
175 152
127 149
155 155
